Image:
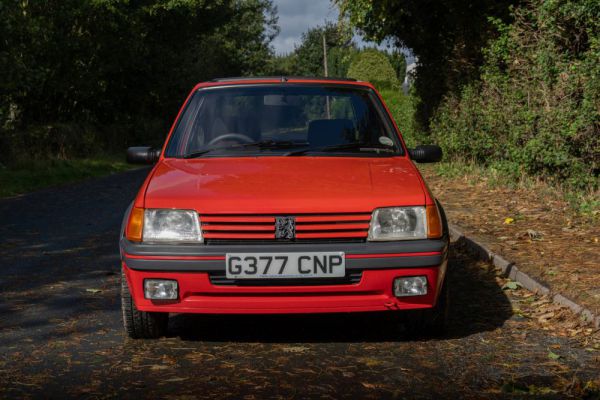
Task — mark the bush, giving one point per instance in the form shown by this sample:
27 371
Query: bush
374 66
402 108
536 108
78 75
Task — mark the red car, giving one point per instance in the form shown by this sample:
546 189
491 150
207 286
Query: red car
283 195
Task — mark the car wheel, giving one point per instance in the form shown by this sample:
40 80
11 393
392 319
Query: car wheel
140 324
431 322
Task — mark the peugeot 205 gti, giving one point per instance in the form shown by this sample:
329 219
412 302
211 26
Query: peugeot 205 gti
283 195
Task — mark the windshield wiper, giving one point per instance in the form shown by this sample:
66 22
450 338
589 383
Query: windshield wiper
344 146
198 153
261 144
269 144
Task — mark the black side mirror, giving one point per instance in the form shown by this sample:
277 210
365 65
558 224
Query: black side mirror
427 153
142 155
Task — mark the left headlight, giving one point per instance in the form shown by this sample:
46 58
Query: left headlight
166 225
398 223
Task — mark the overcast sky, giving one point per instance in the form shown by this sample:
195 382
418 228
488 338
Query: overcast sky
297 16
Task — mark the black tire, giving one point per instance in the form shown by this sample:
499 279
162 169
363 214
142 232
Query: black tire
431 322
140 324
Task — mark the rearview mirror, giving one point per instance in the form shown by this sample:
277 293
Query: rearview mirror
142 155
428 153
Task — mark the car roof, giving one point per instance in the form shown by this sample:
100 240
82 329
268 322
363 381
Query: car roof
282 80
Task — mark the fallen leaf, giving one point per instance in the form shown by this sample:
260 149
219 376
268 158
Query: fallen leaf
294 349
553 356
509 220
534 235
512 285
175 380
545 317
369 385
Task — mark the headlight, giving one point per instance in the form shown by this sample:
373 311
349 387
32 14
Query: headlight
165 225
398 223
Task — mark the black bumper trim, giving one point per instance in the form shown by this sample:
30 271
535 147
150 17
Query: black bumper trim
175 250
219 265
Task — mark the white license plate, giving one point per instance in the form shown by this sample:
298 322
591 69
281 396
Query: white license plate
285 265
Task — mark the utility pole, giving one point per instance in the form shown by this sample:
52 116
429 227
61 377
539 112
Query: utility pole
326 74
325 56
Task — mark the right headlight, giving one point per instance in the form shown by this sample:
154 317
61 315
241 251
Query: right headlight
398 223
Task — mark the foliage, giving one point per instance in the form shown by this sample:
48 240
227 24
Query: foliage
78 74
398 62
374 66
307 57
447 37
402 108
309 54
536 109
284 65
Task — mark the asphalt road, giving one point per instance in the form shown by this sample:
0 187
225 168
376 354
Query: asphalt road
61 334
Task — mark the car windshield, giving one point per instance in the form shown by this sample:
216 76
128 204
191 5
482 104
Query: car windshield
287 119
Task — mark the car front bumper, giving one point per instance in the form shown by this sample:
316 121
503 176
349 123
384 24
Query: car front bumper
377 264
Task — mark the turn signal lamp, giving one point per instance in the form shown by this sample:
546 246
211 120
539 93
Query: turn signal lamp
135 225
434 222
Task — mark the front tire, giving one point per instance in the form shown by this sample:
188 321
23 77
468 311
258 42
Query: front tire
431 322
140 324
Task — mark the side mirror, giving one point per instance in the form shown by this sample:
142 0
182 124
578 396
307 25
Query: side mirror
428 153
142 155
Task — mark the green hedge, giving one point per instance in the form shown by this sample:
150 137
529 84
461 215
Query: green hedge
374 66
536 108
402 109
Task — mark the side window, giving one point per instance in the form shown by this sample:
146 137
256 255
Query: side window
185 126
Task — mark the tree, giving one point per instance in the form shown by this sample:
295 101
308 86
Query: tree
282 65
446 36
309 54
373 66
398 62
119 66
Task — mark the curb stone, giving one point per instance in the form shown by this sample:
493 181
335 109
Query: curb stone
510 270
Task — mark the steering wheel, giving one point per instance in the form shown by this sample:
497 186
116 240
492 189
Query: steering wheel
231 136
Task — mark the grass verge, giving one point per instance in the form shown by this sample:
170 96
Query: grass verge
583 204
32 175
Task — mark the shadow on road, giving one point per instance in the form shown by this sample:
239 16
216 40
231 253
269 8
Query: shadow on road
478 304
58 250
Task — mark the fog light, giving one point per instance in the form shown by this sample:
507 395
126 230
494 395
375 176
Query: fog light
160 289
410 286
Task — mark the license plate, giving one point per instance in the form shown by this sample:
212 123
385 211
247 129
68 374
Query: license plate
285 265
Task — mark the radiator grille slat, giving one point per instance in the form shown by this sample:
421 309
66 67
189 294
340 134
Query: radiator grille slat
329 235
238 235
237 228
340 226
333 218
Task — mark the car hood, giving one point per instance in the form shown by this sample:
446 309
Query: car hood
273 185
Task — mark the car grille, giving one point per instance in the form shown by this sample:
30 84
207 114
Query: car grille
219 278
312 227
